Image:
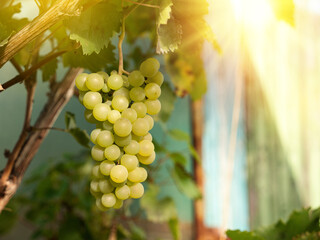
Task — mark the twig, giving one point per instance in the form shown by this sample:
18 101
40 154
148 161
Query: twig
49 128
121 38
57 100
16 65
21 77
132 8
143 4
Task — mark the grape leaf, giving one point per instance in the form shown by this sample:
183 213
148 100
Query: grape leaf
169 36
185 182
179 135
95 26
49 69
94 62
157 210
174 228
80 135
178 158
70 120
164 11
239 235
167 100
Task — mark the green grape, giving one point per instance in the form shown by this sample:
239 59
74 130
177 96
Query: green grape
89 116
106 125
129 161
115 81
119 174
94 186
152 91
100 111
105 186
104 75
112 152
119 204
148 159
97 153
108 199
94 134
96 171
94 82
136 79
120 103
105 167
132 148
138 174
113 116
150 121
105 138
122 141
158 79
91 99
100 206
117 184
136 190
137 94
96 194
122 127
130 114
140 108
149 67
146 148
153 106
105 88
122 92
113 72
148 137
81 95
108 102
123 192
125 81
136 138
81 81
140 127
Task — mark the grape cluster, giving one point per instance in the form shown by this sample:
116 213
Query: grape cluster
122 109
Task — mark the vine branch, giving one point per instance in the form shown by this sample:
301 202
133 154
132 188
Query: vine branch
121 38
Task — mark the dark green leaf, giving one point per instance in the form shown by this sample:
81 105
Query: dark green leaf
8 218
169 36
174 228
238 235
157 210
94 62
81 136
95 26
178 158
137 233
179 135
49 69
185 182
70 120
167 100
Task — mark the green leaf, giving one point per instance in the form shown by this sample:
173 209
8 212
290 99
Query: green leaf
174 228
157 210
95 26
94 62
70 120
185 183
137 233
238 235
308 236
164 12
194 153
177 134
49 69
158 147
81 136
178 158
169 36
8 218
167 100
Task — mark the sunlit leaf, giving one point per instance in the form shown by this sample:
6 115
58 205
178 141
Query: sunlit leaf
49 69
164 11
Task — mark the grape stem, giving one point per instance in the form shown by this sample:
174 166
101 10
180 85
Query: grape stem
143 4
121 38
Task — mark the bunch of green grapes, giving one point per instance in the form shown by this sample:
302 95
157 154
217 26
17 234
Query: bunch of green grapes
122 109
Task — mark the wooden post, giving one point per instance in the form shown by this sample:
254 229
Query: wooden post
201 231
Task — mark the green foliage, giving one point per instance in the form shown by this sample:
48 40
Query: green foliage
303 224
95 26
167 100
80 135
169 36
